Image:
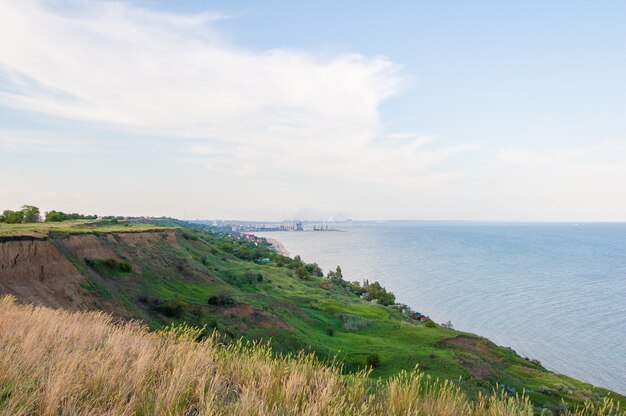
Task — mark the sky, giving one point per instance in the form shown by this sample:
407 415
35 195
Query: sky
483 110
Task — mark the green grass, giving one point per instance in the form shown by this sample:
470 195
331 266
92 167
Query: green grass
72 227
172 283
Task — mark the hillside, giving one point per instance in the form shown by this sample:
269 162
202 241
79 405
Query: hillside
58 362
241 288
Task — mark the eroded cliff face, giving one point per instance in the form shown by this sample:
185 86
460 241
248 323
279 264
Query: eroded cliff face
42 270
90 245
35 271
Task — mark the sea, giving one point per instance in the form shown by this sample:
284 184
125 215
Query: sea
555 292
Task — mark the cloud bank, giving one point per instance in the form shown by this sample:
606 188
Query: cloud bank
171 76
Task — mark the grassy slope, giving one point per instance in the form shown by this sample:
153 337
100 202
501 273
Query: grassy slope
181 277
79 226
55 362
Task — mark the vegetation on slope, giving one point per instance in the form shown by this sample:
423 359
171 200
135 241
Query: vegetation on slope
74 227
242 288
57 362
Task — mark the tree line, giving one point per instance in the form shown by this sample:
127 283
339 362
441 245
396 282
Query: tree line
30 214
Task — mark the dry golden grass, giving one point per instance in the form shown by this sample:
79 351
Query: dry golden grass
57 362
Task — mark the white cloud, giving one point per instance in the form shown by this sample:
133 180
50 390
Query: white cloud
518 156
173 76
29 142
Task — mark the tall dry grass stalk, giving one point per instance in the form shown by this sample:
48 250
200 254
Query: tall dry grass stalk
55 362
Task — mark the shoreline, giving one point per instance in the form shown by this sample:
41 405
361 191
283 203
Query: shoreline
278 246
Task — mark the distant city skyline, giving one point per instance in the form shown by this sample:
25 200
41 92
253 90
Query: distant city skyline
273 110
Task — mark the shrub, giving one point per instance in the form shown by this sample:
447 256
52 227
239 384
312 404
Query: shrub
330 331
546 390
353 323
109 266
221 299
373 360
301 272
251 276
314 269
173 308
430 324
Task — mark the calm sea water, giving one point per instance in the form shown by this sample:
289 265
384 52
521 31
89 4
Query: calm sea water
554 292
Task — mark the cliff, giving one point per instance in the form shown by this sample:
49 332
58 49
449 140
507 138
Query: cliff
243 289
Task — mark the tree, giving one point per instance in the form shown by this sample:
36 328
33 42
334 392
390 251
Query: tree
58 216
314 269
376 291
335 276
30 214
54 216
356 288
13 217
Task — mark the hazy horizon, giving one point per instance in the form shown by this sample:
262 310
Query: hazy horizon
481 111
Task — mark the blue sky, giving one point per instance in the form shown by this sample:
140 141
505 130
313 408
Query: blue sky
271 110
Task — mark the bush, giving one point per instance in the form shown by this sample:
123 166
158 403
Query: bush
221 299
301 272
353 323
109 266
314 269
172 308
59 216
330 331
430 324
251 276
373 360
546 390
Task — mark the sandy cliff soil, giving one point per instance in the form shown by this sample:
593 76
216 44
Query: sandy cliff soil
35 271
38 269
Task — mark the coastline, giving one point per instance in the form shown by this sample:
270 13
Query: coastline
278 246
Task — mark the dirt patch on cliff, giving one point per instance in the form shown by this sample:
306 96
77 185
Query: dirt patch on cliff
477 367
241 310
89 245
477 356
36 272
477 346
132 238
256 317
